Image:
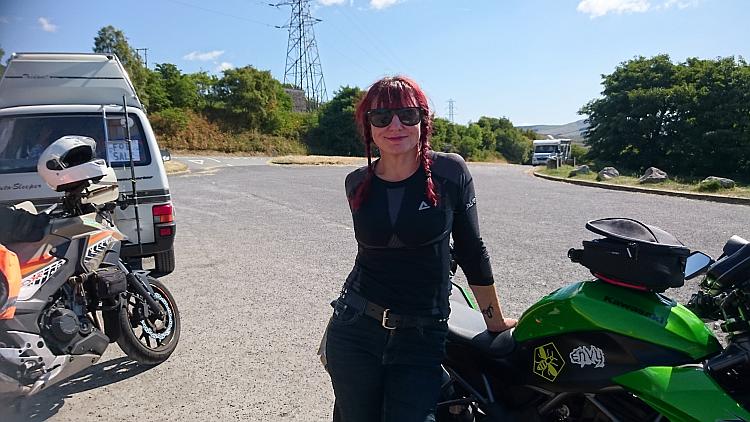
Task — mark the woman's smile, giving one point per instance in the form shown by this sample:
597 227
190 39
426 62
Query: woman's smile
396 138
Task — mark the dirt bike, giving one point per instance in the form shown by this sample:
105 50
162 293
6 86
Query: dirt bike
601 351
74 297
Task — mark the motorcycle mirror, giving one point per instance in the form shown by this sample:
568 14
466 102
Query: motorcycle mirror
696 263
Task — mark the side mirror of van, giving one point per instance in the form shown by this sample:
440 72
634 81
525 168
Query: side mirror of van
166 155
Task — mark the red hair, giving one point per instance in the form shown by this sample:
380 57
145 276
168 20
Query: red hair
394 92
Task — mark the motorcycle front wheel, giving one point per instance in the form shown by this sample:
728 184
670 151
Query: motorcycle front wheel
149 340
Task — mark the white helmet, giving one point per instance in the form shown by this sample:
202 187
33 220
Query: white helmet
70 162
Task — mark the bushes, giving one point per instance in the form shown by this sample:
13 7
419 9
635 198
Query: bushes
710 186
170 121
334 131
184 129
578 152
256 142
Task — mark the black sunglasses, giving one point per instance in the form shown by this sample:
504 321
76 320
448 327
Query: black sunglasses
381 117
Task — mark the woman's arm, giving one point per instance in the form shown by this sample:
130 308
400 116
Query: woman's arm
471 255
490 306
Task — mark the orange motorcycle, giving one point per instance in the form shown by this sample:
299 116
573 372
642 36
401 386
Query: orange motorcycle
65 297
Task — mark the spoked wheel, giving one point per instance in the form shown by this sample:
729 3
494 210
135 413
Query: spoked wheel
149 340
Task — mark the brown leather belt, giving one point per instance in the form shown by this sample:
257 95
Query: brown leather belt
387 319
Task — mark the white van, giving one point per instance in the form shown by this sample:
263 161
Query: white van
546 148
44 96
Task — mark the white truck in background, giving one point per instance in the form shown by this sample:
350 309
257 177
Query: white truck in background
550 148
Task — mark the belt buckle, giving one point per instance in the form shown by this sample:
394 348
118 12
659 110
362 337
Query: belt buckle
384 321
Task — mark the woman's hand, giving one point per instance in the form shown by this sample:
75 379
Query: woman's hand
498 325
490 307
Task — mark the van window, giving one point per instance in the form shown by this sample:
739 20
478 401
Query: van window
24 138
545 148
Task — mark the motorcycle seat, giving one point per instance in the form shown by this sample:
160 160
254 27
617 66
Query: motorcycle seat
467 326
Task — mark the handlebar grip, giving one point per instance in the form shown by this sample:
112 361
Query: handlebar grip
575 255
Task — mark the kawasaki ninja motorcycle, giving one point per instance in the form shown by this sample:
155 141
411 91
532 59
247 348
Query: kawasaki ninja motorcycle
613 348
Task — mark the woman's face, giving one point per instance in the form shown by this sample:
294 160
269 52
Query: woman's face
396 138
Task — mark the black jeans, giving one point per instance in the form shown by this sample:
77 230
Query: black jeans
383 375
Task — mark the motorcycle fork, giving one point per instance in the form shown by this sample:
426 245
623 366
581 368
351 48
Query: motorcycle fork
138 280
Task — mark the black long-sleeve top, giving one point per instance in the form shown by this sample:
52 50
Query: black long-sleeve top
403 261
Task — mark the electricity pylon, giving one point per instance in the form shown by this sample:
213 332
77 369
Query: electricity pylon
303 69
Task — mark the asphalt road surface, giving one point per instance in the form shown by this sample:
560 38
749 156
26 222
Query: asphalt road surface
261 251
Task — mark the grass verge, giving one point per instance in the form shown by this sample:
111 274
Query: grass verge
172 166
318 160
739 191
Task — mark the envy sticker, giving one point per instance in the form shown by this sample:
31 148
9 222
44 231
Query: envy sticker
585 356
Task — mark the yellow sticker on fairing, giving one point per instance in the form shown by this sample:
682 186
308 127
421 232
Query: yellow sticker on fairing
548 363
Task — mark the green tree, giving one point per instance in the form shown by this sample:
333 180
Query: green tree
183 90
501 136
111 40
206 86
252 99
336 132
444 135
515 147
470 142
2 66
690 118
578 152
630 124
157 92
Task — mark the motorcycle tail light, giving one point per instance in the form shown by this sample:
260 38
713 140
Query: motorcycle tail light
163 213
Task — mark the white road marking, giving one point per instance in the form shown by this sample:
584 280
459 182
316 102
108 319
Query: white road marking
200 162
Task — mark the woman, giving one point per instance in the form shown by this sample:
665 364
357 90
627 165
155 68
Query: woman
386 339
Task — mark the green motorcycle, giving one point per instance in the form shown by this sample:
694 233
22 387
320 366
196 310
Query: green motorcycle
613 348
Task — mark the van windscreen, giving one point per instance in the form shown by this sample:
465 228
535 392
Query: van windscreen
23 138
545 148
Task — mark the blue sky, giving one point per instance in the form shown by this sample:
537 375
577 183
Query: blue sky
533 61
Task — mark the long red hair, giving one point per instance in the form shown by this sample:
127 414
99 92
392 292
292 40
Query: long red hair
394 92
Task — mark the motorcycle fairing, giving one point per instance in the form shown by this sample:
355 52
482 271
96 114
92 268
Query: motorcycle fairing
685 393
590 306
557 358
572 361
33 298
587 361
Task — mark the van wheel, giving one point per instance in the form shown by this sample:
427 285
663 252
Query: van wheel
164 262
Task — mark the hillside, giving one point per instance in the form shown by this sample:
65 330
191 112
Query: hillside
573 130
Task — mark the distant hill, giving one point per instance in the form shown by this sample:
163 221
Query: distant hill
573 130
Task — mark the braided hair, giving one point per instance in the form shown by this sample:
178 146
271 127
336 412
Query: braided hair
394 92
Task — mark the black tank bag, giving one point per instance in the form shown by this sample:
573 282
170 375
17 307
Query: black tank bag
633 254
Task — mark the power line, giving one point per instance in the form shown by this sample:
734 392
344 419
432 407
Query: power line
218 12
376 43
303 69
